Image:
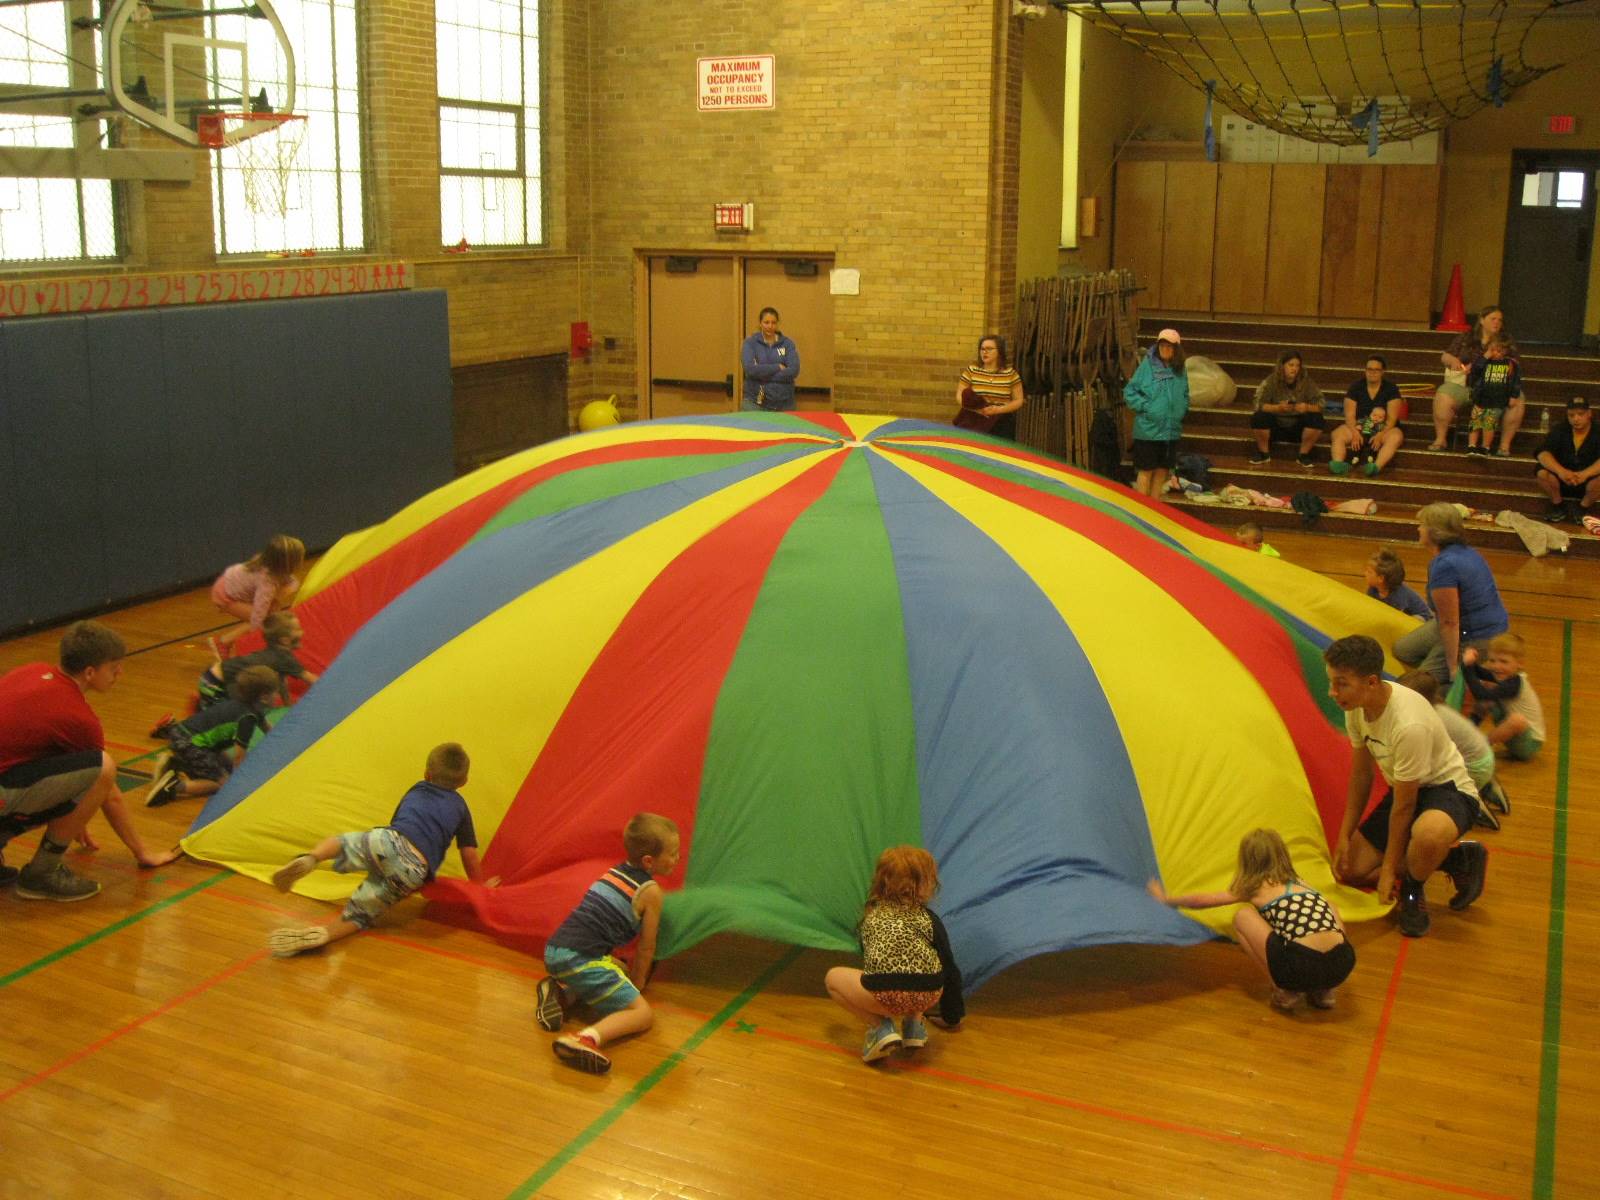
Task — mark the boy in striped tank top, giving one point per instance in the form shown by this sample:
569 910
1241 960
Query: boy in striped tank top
622 904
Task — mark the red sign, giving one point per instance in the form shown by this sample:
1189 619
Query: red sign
1563 124
733 218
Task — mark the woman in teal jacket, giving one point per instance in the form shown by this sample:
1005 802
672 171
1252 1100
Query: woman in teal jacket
1158 395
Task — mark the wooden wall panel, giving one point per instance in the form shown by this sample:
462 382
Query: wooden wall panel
1190 213
1137 240
1407 239
1239 267
1350 214
1294 239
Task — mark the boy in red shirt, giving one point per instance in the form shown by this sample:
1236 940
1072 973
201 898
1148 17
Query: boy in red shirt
54 769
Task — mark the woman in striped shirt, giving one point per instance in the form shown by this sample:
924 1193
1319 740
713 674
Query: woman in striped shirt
990 392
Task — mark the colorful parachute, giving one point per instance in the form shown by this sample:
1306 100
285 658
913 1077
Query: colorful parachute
805 638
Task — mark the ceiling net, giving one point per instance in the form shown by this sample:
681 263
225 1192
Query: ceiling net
1337 72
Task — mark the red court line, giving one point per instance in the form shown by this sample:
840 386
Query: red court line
125 746
1378 1038
1543 856
95 1047
1346 1164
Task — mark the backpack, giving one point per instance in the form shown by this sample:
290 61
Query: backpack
1105 446
1196 468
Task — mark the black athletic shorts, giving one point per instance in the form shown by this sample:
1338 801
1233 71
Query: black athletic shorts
1296 967
1154 456
1297 424
1461 808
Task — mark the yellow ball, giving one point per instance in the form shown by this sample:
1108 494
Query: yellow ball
597 414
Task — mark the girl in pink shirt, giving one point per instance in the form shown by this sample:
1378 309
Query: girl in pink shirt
251 590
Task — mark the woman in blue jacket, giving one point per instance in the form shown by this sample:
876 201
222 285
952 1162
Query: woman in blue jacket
1158 395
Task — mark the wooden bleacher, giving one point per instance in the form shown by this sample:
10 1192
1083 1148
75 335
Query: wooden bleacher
1335 355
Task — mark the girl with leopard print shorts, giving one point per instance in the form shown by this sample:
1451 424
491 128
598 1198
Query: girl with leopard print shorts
907 966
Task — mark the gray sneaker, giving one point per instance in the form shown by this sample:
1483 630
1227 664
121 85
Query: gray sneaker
54 883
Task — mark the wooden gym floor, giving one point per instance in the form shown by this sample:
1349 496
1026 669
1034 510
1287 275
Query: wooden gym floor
152 1048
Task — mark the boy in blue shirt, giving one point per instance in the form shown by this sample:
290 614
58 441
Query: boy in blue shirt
623 903
398 858
1386 581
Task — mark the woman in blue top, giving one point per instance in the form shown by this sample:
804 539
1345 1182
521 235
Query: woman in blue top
1462 592
771 362
1158 396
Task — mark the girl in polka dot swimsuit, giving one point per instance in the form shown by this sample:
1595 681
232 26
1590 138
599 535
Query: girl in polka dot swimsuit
1291 931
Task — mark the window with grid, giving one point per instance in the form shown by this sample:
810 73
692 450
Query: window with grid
315 200
489 160
47 220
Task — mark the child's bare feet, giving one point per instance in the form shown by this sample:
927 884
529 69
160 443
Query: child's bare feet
161 859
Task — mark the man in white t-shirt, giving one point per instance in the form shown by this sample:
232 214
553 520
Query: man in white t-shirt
1431 799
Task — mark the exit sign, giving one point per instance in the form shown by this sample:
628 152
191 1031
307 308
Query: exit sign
1563 124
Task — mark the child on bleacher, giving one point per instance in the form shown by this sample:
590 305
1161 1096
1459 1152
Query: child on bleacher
248 591
1386 581
1502 685
205 747
1475 749
1494 381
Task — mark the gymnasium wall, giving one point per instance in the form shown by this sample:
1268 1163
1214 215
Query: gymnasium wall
152 447
1123 92
892 149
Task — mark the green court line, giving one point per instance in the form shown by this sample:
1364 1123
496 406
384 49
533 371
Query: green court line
600 1124
1544 1146
132 918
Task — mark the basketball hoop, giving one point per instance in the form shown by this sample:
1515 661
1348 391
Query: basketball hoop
268 145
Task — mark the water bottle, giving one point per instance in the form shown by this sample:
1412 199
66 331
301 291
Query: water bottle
1544 420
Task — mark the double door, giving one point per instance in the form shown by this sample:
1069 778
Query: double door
699 309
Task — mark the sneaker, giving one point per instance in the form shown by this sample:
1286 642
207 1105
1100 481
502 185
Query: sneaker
578 1051
1285 1001
53 883
1322 999
284 878
881 1039
914 1033
1412 911
159 730
1467 866
1371 469
285 943
1259 459
1485 815
547 1010
1339 468
1575 512
1556 514
164 790
1306 462
1495 794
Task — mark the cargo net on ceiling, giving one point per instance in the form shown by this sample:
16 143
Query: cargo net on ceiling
1345 73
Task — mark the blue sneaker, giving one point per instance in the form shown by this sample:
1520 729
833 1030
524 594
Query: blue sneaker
914 1033
882 1038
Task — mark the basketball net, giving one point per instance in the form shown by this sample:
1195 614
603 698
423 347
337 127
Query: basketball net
268 146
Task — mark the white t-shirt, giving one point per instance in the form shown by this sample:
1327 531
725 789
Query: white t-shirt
1526 703
1410 743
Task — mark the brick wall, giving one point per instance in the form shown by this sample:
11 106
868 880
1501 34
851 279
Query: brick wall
878 154
893 149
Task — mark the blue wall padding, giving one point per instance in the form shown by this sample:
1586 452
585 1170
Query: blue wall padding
143 449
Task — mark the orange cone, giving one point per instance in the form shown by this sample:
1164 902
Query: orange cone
1454 319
